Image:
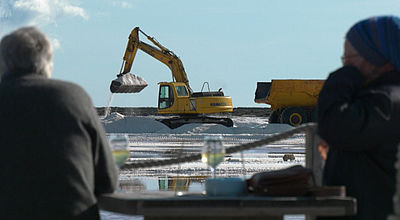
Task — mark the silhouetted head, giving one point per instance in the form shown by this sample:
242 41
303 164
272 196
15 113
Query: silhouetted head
26 51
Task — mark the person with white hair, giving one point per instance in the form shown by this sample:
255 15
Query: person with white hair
54 155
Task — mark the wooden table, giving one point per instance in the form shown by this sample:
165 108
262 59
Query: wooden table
167 205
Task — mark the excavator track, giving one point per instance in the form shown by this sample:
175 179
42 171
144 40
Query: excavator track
176 122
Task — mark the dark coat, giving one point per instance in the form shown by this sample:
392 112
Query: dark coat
55 159
361 124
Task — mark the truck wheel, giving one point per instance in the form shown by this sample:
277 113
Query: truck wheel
274 117
293 116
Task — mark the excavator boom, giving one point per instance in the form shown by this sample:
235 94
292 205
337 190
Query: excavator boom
159 52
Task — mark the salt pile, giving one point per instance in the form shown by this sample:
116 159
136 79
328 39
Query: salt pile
117 123
135 125
110 118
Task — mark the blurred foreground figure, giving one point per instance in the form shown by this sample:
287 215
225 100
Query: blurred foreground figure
359 116
54 155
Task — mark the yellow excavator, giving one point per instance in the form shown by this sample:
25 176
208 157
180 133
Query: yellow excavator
176 97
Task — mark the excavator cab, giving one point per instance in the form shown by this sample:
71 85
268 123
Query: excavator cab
165 97
173 98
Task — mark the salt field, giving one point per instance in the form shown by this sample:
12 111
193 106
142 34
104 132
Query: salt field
151 140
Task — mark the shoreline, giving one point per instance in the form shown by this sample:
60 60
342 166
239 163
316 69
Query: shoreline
146 111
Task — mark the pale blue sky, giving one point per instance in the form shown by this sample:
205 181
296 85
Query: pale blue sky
230 44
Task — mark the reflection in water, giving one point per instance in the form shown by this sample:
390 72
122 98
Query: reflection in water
133 185
163 183
177 183
169 183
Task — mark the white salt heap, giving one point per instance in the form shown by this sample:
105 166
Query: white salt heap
113 117
134 124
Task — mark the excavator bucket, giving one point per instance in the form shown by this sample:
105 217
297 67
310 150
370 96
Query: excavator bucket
128 83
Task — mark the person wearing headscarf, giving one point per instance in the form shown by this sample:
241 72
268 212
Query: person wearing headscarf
359 116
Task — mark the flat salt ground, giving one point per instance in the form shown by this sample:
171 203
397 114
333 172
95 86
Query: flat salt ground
117 123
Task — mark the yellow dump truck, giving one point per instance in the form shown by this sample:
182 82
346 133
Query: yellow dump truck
292 101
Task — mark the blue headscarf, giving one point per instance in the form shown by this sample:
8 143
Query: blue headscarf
377 40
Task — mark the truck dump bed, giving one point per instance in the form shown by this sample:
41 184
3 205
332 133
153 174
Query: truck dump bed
288 93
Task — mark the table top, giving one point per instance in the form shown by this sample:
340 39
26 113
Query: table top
168 203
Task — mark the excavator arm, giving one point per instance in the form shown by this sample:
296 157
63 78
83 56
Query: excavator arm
159 52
